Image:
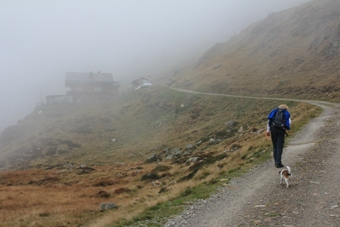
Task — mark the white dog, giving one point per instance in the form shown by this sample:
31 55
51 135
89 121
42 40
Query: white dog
285 174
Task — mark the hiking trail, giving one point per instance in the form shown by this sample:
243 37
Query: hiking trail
258 199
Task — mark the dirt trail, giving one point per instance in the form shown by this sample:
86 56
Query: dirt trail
257 199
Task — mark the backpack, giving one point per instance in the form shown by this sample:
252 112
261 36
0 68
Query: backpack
279 118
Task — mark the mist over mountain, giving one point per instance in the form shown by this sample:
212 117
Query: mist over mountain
41 41
293 53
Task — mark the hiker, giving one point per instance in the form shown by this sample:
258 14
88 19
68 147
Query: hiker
278 122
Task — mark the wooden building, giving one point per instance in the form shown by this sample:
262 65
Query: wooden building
86 88
90 87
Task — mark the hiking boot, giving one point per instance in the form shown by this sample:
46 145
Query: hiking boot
279 165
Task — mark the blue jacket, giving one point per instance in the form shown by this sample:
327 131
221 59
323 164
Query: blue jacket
286 117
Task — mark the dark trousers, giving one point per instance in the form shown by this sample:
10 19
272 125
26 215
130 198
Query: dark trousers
278 140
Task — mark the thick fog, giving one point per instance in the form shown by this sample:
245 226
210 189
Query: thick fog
42 40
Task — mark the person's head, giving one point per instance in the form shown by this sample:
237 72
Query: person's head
283 106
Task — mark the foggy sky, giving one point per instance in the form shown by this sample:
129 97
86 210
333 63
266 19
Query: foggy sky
42 40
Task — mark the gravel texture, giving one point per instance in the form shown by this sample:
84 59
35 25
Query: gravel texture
258 199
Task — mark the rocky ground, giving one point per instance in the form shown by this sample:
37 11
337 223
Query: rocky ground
258 199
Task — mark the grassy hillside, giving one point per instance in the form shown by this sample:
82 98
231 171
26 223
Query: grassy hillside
65 164
293 53
141 123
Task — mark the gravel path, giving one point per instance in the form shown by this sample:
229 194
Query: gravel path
257 199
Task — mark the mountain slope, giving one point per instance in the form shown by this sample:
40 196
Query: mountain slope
293 53
167 143
135 126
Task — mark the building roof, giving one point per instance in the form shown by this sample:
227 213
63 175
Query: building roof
140 79
88 77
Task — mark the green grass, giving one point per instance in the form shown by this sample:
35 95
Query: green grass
159 214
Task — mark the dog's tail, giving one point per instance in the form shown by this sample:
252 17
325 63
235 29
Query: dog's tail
289 171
